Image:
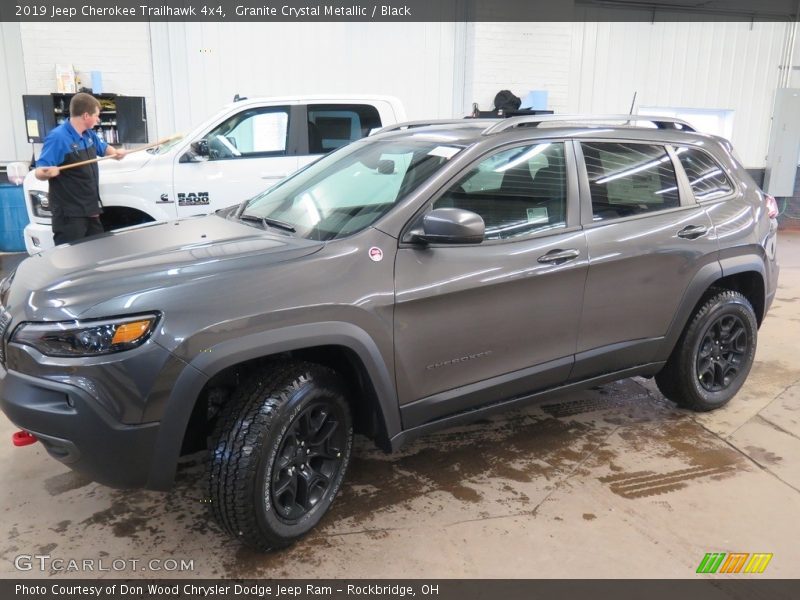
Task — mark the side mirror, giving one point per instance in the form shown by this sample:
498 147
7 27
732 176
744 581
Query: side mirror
198 152
200 147
451 226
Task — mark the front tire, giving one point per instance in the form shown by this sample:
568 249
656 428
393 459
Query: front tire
714 354
280 453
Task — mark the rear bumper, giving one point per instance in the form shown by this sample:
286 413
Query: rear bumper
75 430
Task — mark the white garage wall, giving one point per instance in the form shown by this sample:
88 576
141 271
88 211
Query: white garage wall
188 70
519 57
120 50
697 65
592 67
13 143
198 67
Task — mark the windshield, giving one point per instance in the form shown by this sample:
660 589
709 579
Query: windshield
172 140
347 190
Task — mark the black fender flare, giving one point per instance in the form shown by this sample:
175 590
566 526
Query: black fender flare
703 279
206 364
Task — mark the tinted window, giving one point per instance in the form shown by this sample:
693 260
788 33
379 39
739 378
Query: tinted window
629 179
706 177
254 132
516 191
331 126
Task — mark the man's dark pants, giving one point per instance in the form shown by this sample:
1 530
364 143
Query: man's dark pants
71 229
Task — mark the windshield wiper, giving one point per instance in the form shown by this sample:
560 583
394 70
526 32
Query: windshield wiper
267 222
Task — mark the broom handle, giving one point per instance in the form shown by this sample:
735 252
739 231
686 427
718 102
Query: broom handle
99 158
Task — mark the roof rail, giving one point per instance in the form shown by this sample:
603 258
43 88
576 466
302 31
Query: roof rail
535 120
415 124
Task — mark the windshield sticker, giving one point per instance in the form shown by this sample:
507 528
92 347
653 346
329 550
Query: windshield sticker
444 151
538 215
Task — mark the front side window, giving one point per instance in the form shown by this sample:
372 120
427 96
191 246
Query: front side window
348 190
251 133
517 192
331 126
706 177
629 179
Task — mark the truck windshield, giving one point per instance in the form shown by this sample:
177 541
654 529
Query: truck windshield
173 139
350 189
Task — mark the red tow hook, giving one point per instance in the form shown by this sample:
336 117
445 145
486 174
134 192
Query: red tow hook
23 438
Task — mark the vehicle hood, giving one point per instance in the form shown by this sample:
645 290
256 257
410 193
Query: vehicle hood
131 162
64 282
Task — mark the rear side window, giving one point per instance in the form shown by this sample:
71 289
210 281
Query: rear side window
706 176
628 179
331 126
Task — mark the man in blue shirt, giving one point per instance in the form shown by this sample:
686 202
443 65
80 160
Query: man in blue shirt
75 193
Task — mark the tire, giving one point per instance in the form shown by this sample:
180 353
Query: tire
279 454
714 354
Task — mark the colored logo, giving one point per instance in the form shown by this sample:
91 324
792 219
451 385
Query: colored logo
734 562
376 254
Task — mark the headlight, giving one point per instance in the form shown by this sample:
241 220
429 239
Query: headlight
86 338
41 204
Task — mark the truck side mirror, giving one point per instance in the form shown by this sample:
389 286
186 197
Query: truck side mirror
198 152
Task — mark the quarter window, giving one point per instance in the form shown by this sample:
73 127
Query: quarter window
629 179
706 176
516 192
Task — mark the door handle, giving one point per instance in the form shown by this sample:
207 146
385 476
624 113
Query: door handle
277 175
692 232
559 256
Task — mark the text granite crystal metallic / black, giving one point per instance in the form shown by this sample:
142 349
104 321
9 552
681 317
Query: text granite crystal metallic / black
421 277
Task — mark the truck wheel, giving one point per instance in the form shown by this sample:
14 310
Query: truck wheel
714 354
280 452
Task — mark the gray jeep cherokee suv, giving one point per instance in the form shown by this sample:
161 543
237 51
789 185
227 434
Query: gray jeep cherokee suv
412 280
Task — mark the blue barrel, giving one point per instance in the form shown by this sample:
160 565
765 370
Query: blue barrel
13 218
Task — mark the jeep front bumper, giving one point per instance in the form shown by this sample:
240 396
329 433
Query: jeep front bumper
75 430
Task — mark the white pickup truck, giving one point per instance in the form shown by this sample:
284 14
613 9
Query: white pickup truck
242 150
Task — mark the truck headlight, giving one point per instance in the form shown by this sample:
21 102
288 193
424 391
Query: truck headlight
86 338
41 204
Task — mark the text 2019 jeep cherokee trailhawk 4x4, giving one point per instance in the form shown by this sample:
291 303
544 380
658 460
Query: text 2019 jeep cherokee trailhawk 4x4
411 280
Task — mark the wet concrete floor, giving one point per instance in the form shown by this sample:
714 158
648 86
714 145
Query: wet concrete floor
610 482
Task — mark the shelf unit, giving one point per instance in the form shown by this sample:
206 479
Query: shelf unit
123 119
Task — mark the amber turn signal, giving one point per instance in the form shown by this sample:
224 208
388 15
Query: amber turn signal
130 332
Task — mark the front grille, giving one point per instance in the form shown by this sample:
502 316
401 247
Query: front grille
5 319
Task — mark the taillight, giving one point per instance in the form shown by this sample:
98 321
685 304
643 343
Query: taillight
772 206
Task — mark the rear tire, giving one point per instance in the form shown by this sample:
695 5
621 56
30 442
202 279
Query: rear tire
714 354
280 452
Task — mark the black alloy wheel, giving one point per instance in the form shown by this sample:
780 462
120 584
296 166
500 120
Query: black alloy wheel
308 461
721 353
713 355
279 453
